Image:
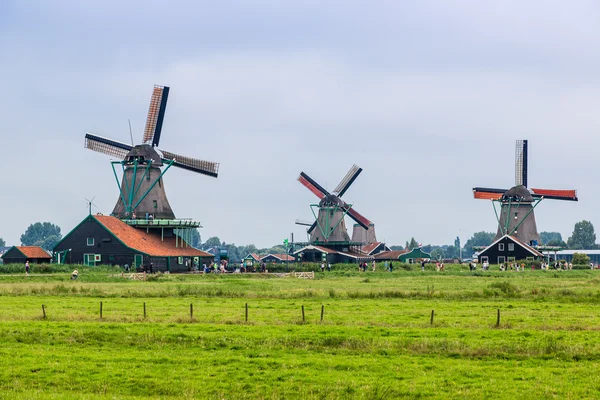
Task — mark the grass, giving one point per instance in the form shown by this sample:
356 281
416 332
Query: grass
375 342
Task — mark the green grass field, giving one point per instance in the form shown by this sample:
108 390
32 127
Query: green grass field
376 340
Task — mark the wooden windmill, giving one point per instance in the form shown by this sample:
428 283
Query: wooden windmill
143 166
329 226
517 218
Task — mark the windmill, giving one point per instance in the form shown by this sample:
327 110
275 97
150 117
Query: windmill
143 166
329 226
517 218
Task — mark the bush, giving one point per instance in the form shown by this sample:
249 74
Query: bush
581 259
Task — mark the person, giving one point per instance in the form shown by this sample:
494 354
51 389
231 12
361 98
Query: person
27 267
571 266
385 264
133 215
522 266
423 265
591 265
373 265
75 275
126 266
442 266
328 267
437 266
322 267
391 266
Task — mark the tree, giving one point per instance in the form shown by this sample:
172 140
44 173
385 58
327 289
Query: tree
583 236
413 244
45 235
581 259
212 242
550 237
396 248
195 240
478 239
2 243
457 242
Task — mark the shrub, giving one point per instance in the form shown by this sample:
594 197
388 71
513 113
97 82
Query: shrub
581 259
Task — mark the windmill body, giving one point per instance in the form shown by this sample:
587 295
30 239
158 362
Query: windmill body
142 194
517 204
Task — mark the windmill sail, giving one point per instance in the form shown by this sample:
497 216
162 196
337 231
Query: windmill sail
521 163
347 180
193 164
156 114
107 146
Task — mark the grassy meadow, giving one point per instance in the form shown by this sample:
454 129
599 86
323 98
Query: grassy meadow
376 339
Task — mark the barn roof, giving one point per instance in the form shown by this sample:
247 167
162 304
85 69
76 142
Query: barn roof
33 252
390 255
282 257
146 243
371 247
517 241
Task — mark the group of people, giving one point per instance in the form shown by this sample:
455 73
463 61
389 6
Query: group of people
215 268
323 267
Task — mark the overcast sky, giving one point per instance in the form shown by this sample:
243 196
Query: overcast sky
428 97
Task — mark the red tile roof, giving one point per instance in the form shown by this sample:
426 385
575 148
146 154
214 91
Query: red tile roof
390 255
282 257
147 243
33 252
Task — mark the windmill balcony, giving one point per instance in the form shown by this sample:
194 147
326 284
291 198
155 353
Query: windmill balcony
163 223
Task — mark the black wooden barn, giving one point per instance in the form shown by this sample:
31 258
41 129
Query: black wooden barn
106 240
21 254
312 253
508 249
277 258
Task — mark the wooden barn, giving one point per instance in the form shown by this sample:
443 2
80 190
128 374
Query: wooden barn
508 249
312 253
106 240
277 258
405 256
21 254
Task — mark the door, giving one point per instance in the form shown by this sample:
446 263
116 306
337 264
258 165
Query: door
89 260
501 259
138 260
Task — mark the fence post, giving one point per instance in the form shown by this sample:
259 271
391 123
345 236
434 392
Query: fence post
144 310
322 311
191 311
100 310
302 313
498 319
246 312
432 314
44 311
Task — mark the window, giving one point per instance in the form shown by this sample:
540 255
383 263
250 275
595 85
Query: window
501 259
511 247
155 204
97 257
90 241
501 247
179 260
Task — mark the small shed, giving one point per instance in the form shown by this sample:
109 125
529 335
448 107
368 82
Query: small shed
251 260
21 254
415 255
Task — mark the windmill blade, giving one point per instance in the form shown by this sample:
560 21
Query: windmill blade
156 114
312 227
348 180
488 193
356 216
313 186
192 164
303 223
107 146
570 195
521 163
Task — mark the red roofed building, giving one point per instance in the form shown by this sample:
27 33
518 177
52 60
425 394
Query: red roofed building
21 254
107 240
